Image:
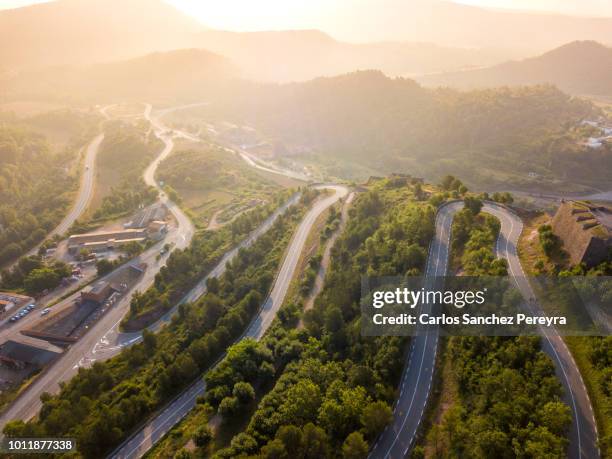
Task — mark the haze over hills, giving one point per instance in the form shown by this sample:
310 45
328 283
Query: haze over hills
306 54
581 67
88 31
493 137
452 24
180 75
76 32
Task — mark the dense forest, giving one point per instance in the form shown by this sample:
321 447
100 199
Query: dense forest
101 405
395 125
37 178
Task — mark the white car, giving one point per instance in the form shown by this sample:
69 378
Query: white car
45 311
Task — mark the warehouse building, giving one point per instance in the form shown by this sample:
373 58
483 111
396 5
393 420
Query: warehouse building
99 292
99 242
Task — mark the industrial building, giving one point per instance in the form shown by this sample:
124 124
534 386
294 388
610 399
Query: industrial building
21 355
98 292
99 242
585 230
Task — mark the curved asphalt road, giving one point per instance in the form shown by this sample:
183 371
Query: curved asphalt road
83 197
66 366
397 439
583 434
149 434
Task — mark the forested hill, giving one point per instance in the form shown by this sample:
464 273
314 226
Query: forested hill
397 125
35 188
581 67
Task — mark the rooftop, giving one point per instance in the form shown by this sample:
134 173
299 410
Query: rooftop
596 218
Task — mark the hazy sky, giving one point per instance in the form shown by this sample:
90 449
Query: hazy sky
323 14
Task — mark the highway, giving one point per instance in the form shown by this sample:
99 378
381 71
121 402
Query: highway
83 198
28 403
85 190
397 439
104 339
114 340
149 434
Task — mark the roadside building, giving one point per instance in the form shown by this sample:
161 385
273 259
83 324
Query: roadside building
20 355
99 242
585 230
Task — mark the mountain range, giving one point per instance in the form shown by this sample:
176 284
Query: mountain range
90 31
580 67
83 32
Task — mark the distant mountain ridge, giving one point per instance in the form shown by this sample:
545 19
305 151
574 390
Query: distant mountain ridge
88 31
82 32
453 24
173 75
291 55
580 67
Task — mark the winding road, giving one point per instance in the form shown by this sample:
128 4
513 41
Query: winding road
105 340
83 198
149 434
28 403
398 438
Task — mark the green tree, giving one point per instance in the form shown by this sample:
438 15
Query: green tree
315 444
473 204
244 392
41 279
203 436
302 403
355 447
375 417
274 449
104 266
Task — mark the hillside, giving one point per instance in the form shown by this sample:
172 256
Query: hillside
491 137
581 67
174 75
87 31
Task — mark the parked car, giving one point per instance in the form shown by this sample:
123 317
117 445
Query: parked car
45 311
